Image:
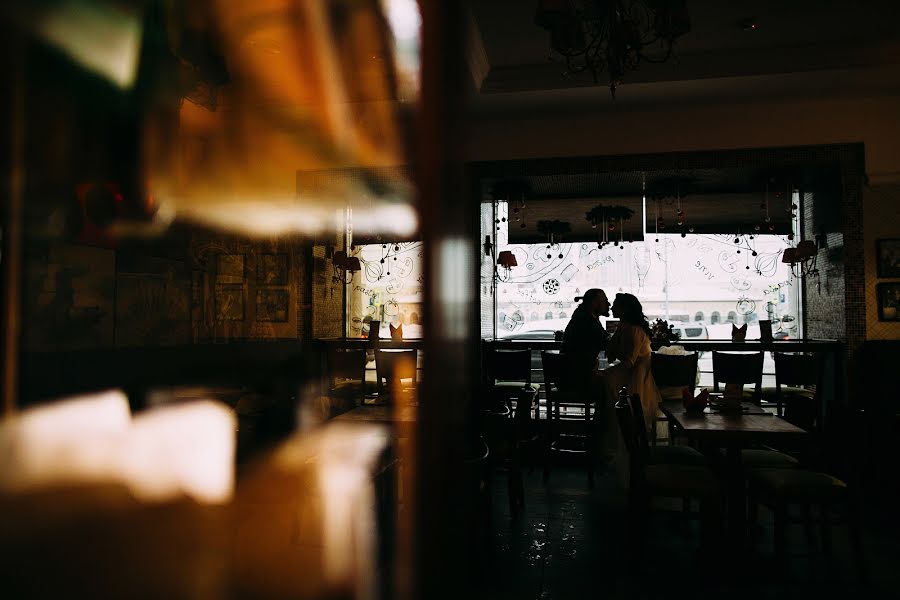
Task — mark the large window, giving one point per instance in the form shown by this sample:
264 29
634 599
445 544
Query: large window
388 290
681 279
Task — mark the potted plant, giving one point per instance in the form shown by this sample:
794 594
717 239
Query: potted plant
662 334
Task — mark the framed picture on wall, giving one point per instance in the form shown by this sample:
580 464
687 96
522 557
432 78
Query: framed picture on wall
887 257
888 301
272 305
272 269
230 268
229 303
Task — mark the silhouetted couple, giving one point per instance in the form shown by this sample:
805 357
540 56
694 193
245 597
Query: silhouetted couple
584 339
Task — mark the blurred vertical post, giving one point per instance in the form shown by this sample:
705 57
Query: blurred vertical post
450 345
13 109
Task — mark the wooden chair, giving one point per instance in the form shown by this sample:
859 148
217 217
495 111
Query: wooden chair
781 488
656 455
672 374
569 412
477 508
392 368
797 381
346 370
508 374
664 480
739 368
501 434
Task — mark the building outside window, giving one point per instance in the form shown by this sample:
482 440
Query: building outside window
680 279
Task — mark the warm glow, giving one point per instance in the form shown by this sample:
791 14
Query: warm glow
405 22
345 464
272 216
103 37
69 441
185 449
454 285
162 454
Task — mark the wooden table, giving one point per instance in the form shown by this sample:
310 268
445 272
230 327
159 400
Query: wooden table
378 413
733 432
367 344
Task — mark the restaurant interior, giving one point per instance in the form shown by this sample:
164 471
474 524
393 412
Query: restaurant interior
288 284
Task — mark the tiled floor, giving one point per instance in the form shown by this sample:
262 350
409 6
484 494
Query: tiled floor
568 543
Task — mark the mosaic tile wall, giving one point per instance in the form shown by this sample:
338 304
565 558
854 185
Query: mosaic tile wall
327 299
881 205
835 299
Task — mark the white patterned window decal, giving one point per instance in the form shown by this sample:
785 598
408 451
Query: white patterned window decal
388 290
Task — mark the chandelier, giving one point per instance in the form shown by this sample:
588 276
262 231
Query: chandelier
612 35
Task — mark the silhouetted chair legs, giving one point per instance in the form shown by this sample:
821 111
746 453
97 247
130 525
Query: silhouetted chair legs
782 488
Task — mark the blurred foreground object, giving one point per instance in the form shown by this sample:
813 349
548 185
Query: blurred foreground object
312 88
102 36
163 454
259 118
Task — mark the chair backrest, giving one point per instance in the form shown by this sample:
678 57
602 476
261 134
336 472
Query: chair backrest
396 365
640 425
345 364
558 392
625 417
800 370
552 364
510 365
673 370
742 368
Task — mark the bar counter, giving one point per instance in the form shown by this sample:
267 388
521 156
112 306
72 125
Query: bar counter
365 343
808 345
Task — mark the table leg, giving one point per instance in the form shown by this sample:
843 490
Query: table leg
737 497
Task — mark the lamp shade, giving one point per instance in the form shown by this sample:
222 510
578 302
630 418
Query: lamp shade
507 259
806 249
789 256
351 263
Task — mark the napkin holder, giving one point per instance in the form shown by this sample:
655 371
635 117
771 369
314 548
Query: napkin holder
732 398
374 328
694 404
765 331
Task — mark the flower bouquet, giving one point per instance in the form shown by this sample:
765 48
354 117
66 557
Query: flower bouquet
663 334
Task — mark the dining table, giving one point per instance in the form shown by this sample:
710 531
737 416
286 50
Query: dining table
384 414
733 430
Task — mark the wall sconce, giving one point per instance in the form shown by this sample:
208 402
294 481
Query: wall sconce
506 260
344 265
802 258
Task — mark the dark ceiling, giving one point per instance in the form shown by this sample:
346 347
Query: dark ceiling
714 200
798 47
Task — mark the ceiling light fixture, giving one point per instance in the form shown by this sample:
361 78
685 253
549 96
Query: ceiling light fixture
612 35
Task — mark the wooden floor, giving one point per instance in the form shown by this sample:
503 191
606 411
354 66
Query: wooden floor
568 544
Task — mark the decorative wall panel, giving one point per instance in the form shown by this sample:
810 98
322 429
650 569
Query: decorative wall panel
881 212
